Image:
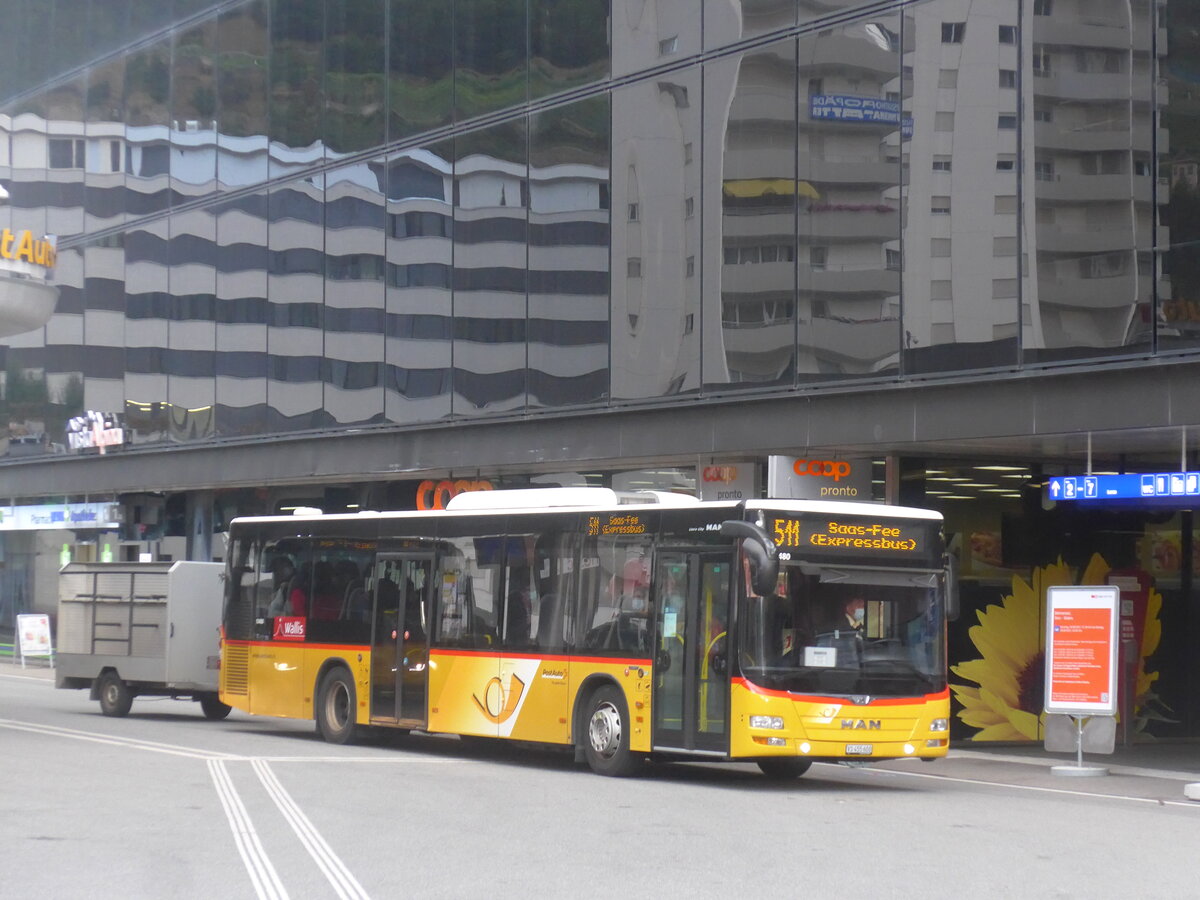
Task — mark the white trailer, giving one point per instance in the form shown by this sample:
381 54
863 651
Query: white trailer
139 629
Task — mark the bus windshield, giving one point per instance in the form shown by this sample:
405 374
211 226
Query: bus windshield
878 634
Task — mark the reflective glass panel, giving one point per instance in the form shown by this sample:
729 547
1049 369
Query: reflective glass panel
194 111
751 99
420 71
104 325
147 134
355 272
297 96
651 33
242 89
147 305
961 262
241 315
296 291
61 191
725 23
1178 314
191 326
656 236
490 56
420 252
105 195
569 190
568 44
1087 104
355 105
491 199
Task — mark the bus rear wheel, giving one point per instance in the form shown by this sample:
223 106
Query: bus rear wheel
115 696
606 734
212 707
336 707
782 768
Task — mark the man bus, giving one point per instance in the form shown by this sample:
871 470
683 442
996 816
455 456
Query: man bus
626 626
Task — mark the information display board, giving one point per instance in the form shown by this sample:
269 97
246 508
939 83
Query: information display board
1081 650
33 637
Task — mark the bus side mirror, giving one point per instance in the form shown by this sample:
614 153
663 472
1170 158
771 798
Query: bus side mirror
951 576
760 550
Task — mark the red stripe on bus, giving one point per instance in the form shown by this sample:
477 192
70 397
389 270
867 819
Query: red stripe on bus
841 701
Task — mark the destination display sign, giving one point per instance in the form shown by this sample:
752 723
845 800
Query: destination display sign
855 535
1142 486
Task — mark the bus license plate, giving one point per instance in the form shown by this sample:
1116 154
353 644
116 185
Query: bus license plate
859 749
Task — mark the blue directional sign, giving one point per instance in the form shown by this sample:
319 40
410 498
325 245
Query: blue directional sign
1148 486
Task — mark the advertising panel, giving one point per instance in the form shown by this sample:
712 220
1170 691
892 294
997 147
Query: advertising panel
735 480
1081 650
820 477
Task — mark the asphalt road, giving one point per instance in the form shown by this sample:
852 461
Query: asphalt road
166 804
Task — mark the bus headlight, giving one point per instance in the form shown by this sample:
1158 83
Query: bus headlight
775 722
939 725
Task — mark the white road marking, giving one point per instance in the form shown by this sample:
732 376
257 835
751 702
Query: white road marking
340 878
267 884
133 743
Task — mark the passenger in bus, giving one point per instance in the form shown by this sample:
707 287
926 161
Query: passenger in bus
298 595
326 600
282 572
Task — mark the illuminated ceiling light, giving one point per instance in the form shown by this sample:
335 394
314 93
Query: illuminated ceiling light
1003 468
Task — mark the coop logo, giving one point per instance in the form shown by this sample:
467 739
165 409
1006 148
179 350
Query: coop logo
720 474
837 469
289 628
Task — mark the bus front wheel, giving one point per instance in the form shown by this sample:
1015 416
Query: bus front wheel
606 734
784 767
336 707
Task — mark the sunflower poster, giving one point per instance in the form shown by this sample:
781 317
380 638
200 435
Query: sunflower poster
1001 694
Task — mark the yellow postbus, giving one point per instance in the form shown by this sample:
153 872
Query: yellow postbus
628 626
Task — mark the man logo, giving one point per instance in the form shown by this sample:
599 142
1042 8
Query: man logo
862 724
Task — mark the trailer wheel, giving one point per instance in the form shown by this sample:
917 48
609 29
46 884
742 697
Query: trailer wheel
212 707
336 707
115 696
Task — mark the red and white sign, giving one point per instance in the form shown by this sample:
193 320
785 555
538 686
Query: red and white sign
289 628
1081 650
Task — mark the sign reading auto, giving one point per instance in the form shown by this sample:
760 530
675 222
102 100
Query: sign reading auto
21 252
819 478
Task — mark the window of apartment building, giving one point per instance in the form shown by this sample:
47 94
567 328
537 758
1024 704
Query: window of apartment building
689 323
689 207
1107 62
948 78
687 153
689 267
1008 78
817 258
1043 7
941 164
669 45
816 87
1041 61
939 247
1103 265
1008 34
940 290
1004 246
1043 169
65 153
1006 163
939 206
1141 167
1005 204
892 259
1006 121
633 212
1102 163
1004 288
953 32
1043 114
943 121
633 267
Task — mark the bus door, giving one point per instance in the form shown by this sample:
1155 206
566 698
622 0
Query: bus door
691 669
400 643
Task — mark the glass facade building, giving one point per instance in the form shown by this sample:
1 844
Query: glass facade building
291 222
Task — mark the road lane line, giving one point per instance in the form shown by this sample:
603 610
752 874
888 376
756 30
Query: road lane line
267 885
1154 801
98 738
339 877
